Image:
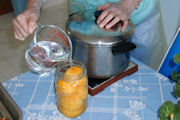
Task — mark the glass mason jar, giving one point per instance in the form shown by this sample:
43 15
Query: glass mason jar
71 85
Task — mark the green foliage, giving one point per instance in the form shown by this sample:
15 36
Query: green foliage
175 75
166 109
177 112
177 89
169 111
176 58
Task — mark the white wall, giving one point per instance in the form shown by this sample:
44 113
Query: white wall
170 10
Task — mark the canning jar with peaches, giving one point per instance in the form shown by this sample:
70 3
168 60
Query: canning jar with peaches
71 86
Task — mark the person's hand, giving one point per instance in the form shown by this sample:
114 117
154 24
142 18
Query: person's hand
114 14
25 23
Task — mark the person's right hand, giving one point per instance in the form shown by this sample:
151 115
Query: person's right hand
25 23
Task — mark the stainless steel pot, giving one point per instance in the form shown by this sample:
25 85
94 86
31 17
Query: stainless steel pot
104 56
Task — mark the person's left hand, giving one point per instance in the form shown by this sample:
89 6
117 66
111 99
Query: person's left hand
113 13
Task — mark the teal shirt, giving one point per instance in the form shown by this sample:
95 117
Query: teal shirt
144 11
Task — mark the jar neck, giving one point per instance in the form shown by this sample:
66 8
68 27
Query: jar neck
73 75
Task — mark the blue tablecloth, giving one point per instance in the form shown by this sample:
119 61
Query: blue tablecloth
135 97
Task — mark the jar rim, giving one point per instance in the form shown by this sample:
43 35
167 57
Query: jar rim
67 65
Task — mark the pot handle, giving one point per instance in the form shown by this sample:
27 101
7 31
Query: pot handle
97 14
122 48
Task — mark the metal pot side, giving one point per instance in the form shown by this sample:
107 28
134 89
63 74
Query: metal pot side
99 60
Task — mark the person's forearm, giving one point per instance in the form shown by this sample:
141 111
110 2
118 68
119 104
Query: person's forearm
132 4
34 4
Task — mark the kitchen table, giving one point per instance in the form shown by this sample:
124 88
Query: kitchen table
135 97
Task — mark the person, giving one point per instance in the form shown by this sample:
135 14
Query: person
143 13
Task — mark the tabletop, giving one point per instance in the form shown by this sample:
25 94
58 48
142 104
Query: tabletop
135 97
